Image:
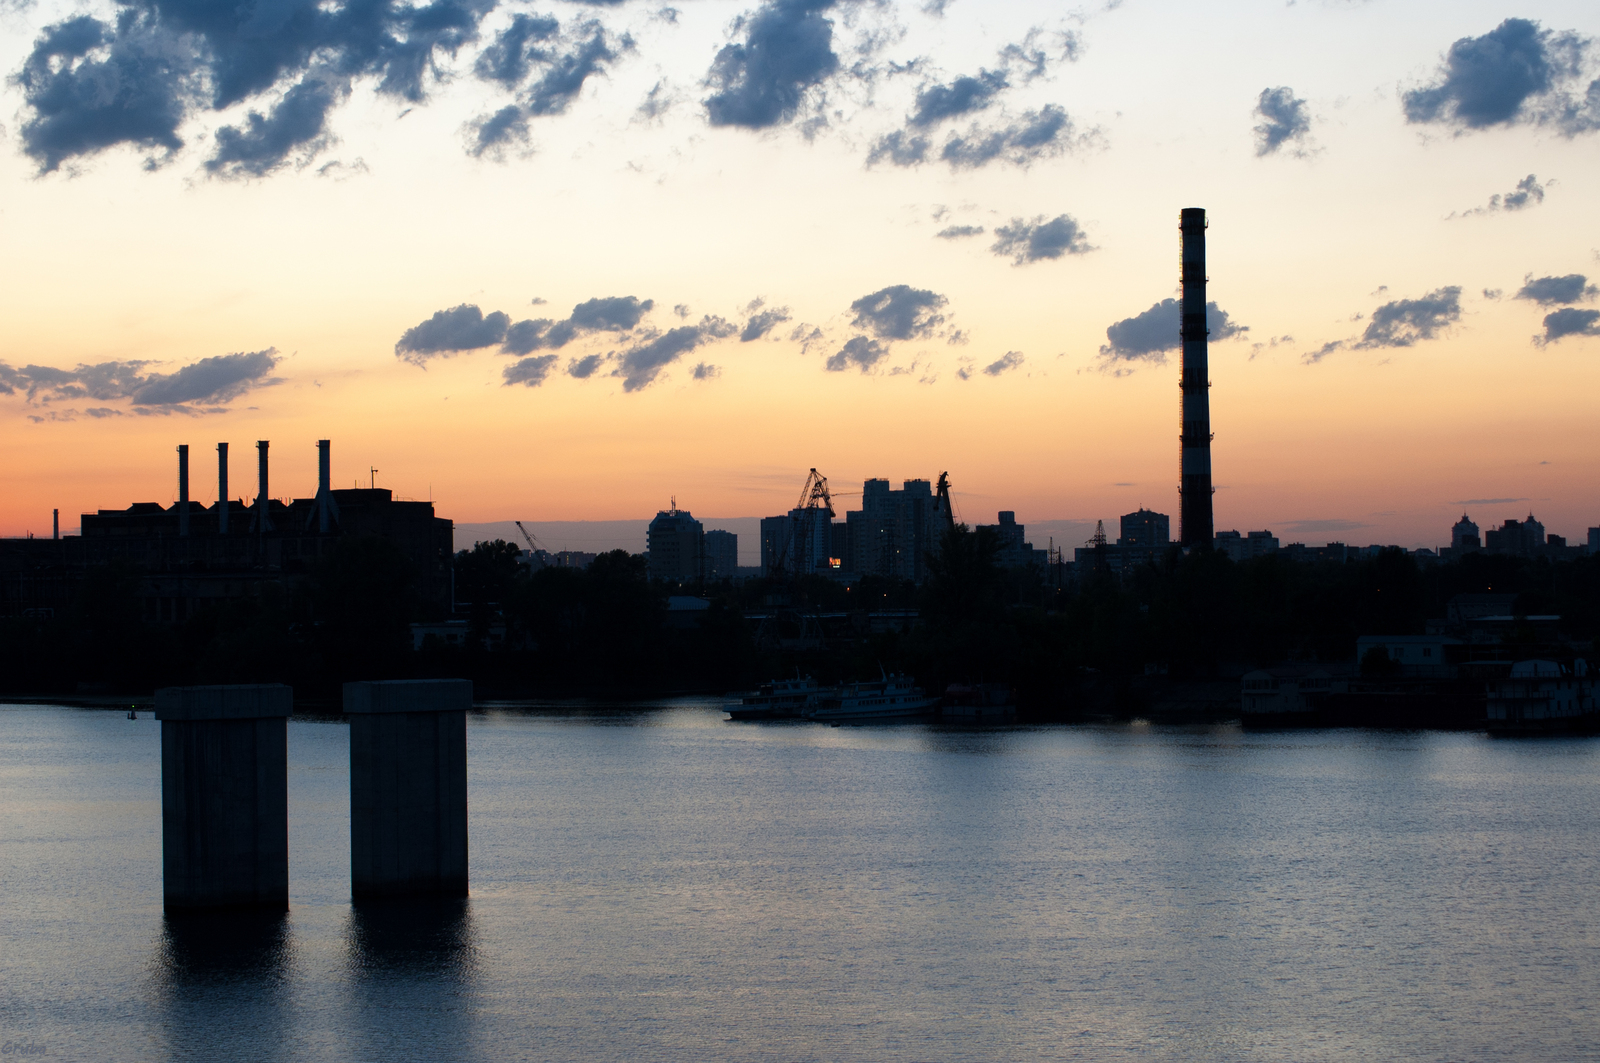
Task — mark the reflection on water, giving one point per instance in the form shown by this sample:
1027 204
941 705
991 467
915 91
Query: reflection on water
215 948
412 936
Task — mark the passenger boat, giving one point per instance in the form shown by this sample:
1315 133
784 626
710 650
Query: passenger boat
783 699
1543 697
893 698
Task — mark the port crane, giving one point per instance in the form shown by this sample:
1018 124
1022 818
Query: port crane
534 546
814 495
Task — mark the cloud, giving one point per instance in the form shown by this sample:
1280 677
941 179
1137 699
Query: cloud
136 90
1528 193
1403 322
641 364
461 328
1036 135
899 312
784 49
1284 120
529 372
297 123
962 96
1148 336
706 372
1517 72
1569 321
583 368
859 351
1026 241
762 322
1549 291
195 388
1005 363
957 232
492 134
89 85
1487 501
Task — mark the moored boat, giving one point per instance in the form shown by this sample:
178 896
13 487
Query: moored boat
890 699
782 699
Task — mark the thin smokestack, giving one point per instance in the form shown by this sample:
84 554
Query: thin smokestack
55 524
183 489
222 488
326 509
263 519
1194 513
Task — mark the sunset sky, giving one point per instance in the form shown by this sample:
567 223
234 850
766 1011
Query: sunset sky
564 261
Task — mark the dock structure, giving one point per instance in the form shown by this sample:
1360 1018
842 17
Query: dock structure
408 787
225 796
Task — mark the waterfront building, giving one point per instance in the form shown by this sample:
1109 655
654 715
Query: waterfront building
674 545
721 554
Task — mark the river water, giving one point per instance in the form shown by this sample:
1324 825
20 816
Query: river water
654 883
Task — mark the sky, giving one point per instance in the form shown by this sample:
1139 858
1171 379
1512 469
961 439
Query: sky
569 261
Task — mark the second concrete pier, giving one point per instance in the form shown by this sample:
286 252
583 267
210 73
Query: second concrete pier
408 787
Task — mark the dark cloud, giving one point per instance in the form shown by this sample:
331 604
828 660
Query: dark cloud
1150 335
89 85
641 364
561 82
529 372
1569 321
613 313
136 92
1516 72
493 133
297 124
546 67
584 368
1029 241
1036 135
899 312
957 232
518 50
1403 322
1284 119
964 95
461 328
194 388
762 322
703 371
784 48
858 351
1548 291
902 148
1005 363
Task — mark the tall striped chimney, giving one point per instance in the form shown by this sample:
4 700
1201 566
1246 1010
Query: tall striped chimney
183 489
222 489
1194 513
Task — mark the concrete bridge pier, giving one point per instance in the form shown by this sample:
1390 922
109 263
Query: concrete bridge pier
225 796
408 787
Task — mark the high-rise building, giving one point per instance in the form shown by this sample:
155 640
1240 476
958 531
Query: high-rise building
894 531
799 542
1014 551
675 545
721 554
1520 538
1464 536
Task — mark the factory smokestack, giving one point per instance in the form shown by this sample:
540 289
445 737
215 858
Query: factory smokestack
222 489
263 520
55 524
326 510
183 489
1194 513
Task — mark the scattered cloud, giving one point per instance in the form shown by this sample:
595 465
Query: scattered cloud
1005 363
447 332
529 372
639 365
781 51
1569 321
1528 193
1551 291
704 371
1285 120
584 368
1518 72
860 351
1148 336
200 387
964 95
959 232
1487 501
762 321
546 68
899 312
1403 322
1029 241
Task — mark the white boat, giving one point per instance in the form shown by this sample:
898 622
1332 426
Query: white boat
783 699
894 697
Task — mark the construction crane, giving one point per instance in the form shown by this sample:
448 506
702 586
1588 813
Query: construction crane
534 546
942 503
814 495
